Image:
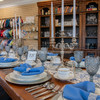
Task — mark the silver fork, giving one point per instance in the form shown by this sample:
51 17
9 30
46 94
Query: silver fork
49 86
52 94
43 93
44 85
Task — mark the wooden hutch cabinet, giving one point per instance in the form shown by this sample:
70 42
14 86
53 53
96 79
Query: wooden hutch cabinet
87 24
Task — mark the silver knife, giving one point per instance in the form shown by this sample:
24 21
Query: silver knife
32 87
50 86
48 96
38 91
53 90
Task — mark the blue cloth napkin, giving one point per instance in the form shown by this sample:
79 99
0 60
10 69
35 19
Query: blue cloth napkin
73 58
27 69
80 91
6 60
34 71
52 54
22 67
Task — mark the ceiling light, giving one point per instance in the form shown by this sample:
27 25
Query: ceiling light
1 0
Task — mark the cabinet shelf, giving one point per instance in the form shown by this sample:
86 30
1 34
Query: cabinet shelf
94 11
44 37
66 14
45 15
67 26
45 26
91 37
91 24
65 37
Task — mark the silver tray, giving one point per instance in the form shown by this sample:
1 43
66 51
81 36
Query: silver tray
8 79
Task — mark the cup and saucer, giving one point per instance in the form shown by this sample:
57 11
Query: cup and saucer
64 74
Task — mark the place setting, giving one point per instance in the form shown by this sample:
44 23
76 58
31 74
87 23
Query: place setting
25 74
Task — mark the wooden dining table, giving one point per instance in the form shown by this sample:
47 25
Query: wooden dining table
17 92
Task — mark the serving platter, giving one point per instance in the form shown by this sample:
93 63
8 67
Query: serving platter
8 79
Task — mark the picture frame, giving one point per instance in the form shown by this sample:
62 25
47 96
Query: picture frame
32 55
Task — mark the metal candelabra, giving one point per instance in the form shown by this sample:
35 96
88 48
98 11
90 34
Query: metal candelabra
63 46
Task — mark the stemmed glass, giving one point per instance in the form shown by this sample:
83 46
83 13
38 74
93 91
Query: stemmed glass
15 48
92 66
78 58
25 50
1 47
20 53
43 56
7 48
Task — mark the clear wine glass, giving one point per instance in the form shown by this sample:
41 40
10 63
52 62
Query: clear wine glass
92 66
25 50
7 48
20 53
15 48
1 48
43 56
78 58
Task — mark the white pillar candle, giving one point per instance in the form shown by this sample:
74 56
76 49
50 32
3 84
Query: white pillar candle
74 18
52 25
19 29
62 17
14 29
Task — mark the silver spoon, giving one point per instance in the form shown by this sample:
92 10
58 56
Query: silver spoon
48 87
43 93
44 85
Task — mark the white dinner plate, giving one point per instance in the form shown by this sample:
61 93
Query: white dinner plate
10 64
29 78
8 79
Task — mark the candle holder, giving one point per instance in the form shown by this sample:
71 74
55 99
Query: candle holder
63 46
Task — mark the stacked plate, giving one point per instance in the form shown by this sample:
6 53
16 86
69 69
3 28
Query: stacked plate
9 64
16 78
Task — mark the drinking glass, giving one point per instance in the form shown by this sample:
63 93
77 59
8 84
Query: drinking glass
78 58
15 48
43 56
20 53
25 50
1 47
92 66
7 48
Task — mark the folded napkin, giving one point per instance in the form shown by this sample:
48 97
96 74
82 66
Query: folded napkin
22 67
1 55
6 60
52 54
34 71
27 69
73 58
81 91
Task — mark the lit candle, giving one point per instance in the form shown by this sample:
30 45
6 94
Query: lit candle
74 18
52 27
19 29
62 17
13 29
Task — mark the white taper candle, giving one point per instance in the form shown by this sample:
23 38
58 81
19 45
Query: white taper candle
74 18
14 29
52 24
16 25
19 29
62 17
